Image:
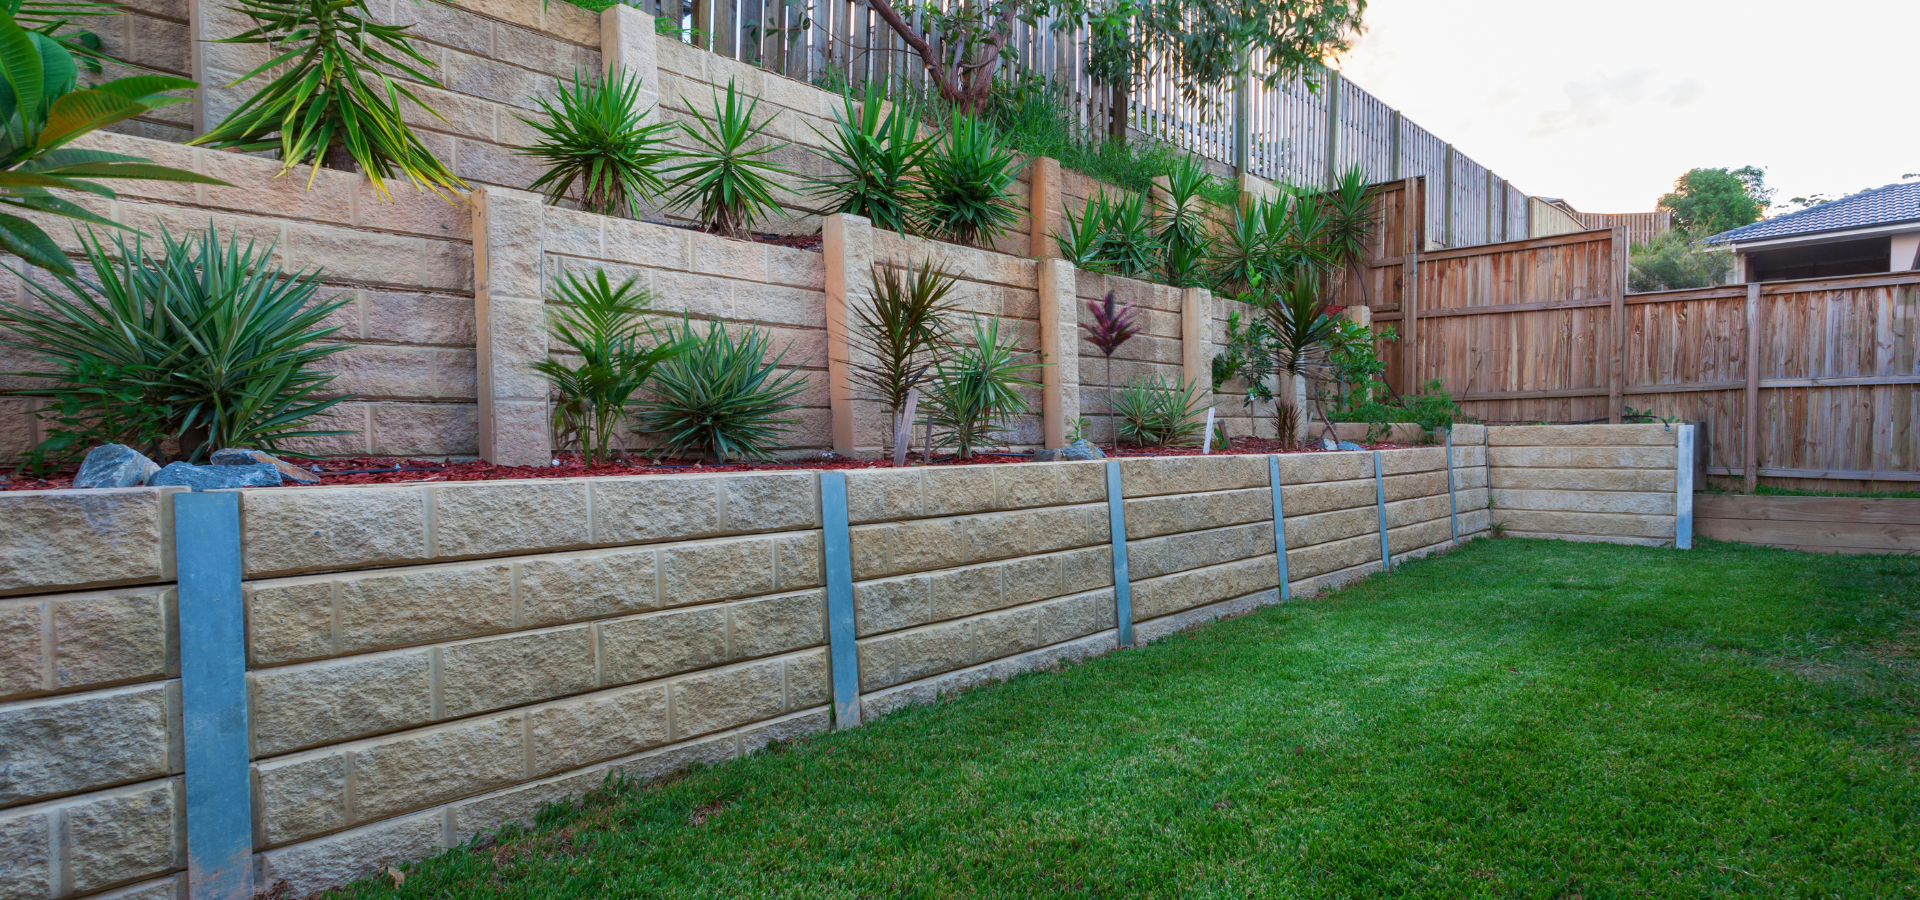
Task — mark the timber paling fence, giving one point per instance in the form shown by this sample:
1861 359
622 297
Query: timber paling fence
1301 132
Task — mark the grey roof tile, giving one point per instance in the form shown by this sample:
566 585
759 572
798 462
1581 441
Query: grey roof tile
1881 206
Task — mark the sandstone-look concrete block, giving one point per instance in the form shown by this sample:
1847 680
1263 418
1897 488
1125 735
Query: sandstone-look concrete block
1305 531
65 744
1583 523
1466 435
125 835
598 727
495 673
289 620
1156 597
1582 479
1418 509
295 707
1419 484
1417 536
498 518
1173 513
650 646
424 604
1314 468
848 242
418 769
1582 436
26 857
23 651
1151 476
1077 616
508 241
798 561
1650 504
640 509
807 679
75 539
1325 496
1006 633
881 495
729 697
927 544
770 625
1054 484
1307 563
917 653
332 528
1153 557
339 858
1084 570
771 501
588 585
1419 459
301 796
892 604
1582 457
967 591
1058 312
957 491
113 637
718 570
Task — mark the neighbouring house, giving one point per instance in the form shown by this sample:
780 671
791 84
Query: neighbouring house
1552 215
1872 231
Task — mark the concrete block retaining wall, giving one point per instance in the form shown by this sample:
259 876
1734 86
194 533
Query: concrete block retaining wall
1615 483
426 661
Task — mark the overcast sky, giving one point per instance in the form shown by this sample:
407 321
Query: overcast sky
1606 103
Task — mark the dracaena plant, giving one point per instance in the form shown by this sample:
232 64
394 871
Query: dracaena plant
596 140
901 332
1084 238
879 151
727 181
605 324
1129 246
41 114
1113 325
1303 327
338 95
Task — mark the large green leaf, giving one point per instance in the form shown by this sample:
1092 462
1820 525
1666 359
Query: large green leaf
143 170
20 69
80 112
25 240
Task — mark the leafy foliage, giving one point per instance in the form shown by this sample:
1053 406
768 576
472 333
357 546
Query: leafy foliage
726 180
40 113
902 328
1705 202
722 395
1672 262
1347 225
340 88
1112 326
1247 354
602 322
597 140
1181 231
968 182
1157 413
1303 326
1431 408
1354 365
1036 120
208 343
977 388
880 152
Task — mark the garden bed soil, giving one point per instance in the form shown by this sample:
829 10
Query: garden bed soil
391 470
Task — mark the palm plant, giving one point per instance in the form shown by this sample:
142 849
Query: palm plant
1348 226
214 337
1112 326
40 114
338 97
977 388
598 140
723 395
603 323
879 151
967 184
1156 412
1302 325
726 181
902 329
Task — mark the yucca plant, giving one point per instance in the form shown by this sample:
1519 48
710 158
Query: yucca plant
1155 412
1112 326
977 388
723 396
901 331
879 151
618 351
41 113
1181 230
967 184
1348 225
338 95
1242 255
1085 237
211 332
596 139
1128 245
726 181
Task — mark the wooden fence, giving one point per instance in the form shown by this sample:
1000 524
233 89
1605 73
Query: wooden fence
1819 524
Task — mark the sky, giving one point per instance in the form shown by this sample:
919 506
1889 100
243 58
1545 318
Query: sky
1606 103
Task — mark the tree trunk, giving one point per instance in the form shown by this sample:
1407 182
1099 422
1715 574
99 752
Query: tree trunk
338 158
1119 113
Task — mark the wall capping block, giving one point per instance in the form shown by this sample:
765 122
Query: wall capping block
1683 489
842 649
1279 526
213 696
1380 506
1117 524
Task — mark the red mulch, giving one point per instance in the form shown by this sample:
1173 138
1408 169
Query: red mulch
388 470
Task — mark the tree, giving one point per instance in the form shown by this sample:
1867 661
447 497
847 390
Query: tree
1212 42
1670 262
1706 202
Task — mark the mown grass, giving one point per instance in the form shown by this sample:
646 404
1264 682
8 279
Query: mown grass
1517 719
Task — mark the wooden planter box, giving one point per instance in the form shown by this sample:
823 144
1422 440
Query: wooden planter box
1823 524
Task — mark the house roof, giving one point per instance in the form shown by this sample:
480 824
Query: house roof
1888 205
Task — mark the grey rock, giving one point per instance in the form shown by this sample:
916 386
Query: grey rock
240 456
1078 451
1349 445
214 478
1329 444
114 466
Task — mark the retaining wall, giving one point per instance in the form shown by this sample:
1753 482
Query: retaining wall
426 661
1615 483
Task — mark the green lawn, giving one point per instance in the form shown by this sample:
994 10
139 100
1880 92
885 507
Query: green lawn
1516 719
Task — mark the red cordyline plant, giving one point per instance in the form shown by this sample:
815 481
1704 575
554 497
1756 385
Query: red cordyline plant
1112 326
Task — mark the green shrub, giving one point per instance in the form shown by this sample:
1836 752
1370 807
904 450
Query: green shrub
900 331
1182 230
596 138
727 182
603 323
967 184
1670 262
1128 245
879 152
1085 238
1036 120
723 395
977 388
1431 408
209 344
1155 412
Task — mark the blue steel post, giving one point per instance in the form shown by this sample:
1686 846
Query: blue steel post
213 695
1380 506
1453 504
1117 524
845 657
1279 526
1683 491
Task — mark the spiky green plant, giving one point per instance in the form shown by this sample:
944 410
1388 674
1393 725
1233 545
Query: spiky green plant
1155 412
724 396
1242 256
727 181
1084 237
879 151
618 350
900 331
977 388
1348 224
211 332
596 139
1128 244
1181 228
1303 327
968 183
338 96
